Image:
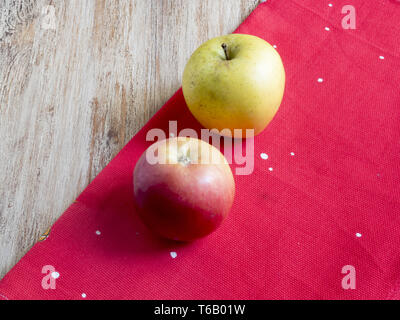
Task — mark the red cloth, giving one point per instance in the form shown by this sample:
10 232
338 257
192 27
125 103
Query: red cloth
335 202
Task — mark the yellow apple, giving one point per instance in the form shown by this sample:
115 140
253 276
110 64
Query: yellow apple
234 82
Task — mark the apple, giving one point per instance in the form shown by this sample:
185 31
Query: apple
234 82
183 188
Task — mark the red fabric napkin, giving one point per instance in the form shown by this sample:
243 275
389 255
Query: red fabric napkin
331 200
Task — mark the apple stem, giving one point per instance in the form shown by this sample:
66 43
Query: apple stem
225 47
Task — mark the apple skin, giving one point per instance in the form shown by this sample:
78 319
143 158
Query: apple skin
244 92
183 200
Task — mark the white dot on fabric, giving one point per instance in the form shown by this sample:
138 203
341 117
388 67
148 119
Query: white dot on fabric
327 28
262 1
83 295
173 254
171 135
55 275
98 232
264 156
381 57
292 154
274 46
270 169
3 296
320 80
330 5
358 235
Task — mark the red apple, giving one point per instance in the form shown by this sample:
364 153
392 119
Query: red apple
183 187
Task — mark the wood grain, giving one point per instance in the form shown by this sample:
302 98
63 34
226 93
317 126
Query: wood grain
78 79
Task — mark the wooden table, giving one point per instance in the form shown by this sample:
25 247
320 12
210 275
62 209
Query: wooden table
78 79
